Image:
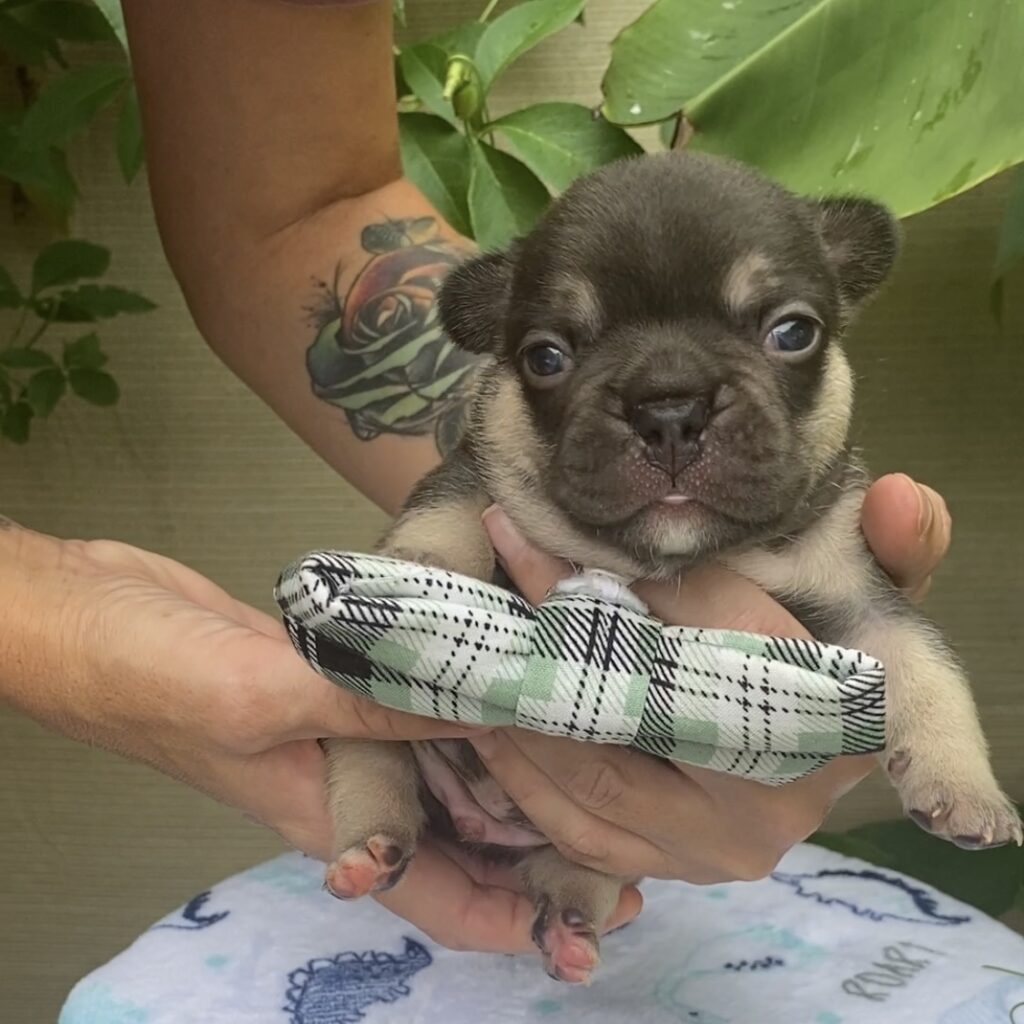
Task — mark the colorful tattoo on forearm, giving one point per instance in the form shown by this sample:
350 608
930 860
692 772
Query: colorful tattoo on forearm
380 353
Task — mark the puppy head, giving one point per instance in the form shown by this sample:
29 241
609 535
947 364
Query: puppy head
666 339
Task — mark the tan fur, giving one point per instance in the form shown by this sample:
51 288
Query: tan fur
373 789
514 453
749 275
451 534
935 749
824 430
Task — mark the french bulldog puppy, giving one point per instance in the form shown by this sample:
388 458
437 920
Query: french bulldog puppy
667 386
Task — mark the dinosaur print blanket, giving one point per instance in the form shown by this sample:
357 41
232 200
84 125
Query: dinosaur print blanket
825 940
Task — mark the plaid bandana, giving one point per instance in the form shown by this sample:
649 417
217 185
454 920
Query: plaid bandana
587 663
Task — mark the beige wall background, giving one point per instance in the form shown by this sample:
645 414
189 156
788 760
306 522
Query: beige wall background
93 849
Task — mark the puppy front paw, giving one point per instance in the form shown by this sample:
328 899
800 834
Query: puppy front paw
568 942
373 866
967 808
417 555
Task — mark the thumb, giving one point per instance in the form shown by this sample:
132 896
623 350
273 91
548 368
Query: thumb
315 708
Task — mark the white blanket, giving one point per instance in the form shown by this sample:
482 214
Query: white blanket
825 940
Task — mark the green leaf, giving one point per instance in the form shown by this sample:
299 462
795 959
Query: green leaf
462 38
16 423
1010 252
559 142
25 358
505 197
68 103
423 68
10 297
24 44
677 49
398 9
66 261
986 879
94 386
130 151
435 156
111 10
518 30
91 302
44 170
910 102
66 19
84 354
45 389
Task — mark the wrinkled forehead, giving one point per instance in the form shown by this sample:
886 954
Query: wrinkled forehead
666 260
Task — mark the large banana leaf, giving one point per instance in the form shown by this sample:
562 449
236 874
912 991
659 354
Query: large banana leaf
911 101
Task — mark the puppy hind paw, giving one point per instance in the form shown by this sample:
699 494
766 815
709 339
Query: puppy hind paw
568 943
375 866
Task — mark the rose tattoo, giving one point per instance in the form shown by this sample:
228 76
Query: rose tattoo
380 353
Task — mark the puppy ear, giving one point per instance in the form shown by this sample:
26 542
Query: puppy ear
474 301
862 241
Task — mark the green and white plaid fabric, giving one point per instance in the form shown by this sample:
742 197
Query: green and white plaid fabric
442 645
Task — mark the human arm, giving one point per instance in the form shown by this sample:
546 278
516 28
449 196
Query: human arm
272 150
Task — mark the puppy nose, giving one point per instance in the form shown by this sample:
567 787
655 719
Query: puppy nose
671 429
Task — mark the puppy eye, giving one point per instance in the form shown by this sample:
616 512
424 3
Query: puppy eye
546 362
794 336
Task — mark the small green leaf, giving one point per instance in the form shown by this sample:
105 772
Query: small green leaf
91 302
68 103
16 423
435 156
66 261
66 19
559 142
462 39
25 358
45 389
94 386
84 354
24 44
509 36
42 170
1010 253
130 151
423 68
505 197
111 10
10 297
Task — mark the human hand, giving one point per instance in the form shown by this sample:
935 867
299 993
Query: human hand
135 653
604 806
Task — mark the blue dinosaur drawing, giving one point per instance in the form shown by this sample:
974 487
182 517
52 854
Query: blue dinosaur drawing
192 919
692 991
341 989
870 894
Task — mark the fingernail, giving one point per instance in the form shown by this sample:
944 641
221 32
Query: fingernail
485 745
926 511
507 540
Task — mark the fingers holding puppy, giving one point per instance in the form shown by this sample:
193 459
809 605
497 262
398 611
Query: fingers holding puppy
908 528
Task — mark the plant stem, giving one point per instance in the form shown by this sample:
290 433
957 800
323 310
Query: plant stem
488 11
19 327
38 334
